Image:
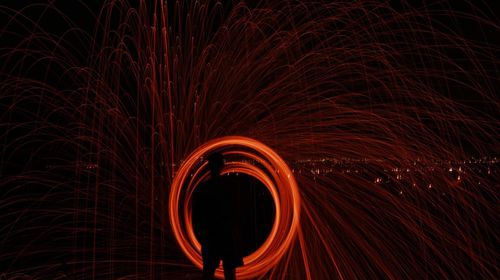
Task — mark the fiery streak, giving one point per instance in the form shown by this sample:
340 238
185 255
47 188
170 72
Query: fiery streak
376 107
277 177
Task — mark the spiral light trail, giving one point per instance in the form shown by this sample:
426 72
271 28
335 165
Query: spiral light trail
372 124
282 187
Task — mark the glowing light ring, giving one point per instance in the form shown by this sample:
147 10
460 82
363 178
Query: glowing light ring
271 170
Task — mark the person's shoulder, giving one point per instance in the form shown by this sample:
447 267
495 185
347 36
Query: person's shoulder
226 178
204 185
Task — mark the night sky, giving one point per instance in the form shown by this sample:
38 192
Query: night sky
385 114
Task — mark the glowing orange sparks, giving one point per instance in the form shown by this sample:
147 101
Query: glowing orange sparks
272 171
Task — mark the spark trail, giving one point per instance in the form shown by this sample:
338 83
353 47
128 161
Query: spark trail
95 122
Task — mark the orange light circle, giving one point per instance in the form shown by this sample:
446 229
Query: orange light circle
271 170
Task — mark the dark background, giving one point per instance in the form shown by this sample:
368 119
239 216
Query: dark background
41 155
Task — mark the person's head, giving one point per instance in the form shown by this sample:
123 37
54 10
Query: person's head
215 163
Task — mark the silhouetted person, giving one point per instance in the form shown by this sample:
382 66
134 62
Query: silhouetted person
215 206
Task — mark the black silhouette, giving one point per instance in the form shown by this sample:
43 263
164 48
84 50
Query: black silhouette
218 221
